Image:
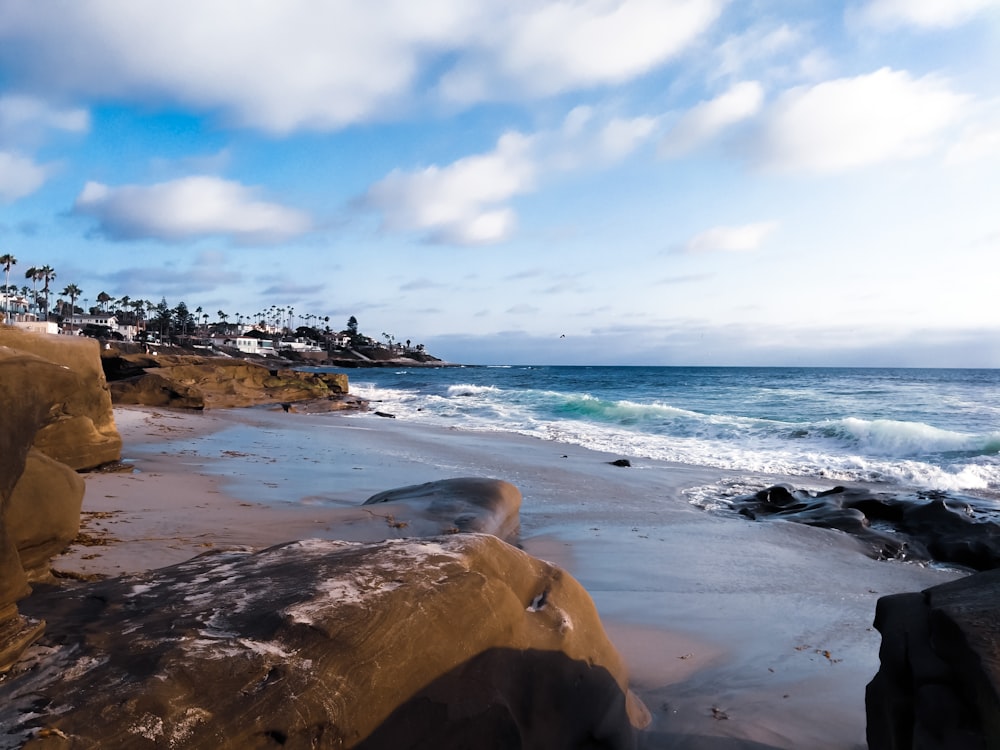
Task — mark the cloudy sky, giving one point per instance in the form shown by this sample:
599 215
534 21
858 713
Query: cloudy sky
524 181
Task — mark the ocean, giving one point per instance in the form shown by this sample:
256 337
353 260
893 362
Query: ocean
911 428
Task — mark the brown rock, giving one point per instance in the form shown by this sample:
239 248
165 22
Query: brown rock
80 428
43 514
454 641
33 391
216 382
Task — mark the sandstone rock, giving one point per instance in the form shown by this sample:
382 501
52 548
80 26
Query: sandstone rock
43 514
454 641
80 430
33 391
192 382
938 684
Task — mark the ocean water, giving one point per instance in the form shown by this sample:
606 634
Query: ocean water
911 428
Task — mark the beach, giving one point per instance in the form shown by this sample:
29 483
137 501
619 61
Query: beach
737 634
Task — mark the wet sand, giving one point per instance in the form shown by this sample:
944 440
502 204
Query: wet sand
739 635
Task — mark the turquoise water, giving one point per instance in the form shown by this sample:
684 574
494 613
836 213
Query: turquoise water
924 428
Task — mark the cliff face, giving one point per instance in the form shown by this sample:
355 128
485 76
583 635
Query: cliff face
57 417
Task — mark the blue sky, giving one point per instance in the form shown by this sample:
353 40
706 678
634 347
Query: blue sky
522 181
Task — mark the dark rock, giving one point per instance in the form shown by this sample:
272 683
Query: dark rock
928 526
385 414
455 641
620 462
464 504
938 684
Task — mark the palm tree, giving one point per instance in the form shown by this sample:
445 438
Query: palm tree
34 274
47 273
8 260
103 299
73 292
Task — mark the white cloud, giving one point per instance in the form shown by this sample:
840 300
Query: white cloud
321 65
189 208
620 137
926 14
706 120
461 203
466 202
978 141
739 51
742 238
23 117
855 122
544 48
19 176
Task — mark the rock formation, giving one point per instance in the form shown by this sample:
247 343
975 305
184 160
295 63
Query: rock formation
79 430
446 642
920 526
57 418
938 684
189 382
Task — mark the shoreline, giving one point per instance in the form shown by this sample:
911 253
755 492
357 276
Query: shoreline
757 633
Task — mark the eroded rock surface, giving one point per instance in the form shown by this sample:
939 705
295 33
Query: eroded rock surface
42 411
79 428
938 684
454 641
190 382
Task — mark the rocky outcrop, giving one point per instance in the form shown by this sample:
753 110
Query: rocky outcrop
447 642
215 383
938 684
920 526
40 497
79 429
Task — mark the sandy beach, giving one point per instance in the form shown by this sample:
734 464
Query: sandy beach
737 634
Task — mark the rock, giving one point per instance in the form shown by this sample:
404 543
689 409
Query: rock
43 513
488 506
80 431
924 526
938 684
623 462
454 641
33 392
190 382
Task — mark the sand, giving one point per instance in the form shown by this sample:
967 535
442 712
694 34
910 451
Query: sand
738 635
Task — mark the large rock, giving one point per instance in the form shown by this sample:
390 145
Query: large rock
43 514
938 684
34 392
450 642
489 506
80 428
193 382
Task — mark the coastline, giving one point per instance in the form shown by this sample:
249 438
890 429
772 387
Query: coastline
756 635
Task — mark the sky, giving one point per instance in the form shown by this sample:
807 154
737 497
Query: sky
665 182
